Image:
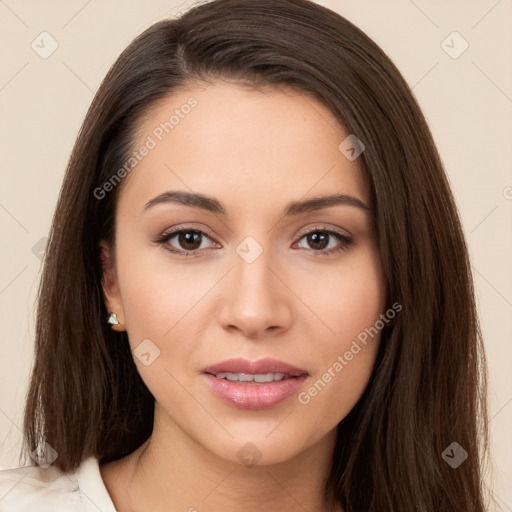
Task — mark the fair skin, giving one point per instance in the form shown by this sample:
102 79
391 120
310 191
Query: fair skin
255 152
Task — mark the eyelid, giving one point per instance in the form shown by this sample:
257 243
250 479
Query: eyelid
323 227
185 227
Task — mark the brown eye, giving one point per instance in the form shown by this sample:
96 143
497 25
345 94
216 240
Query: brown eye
319 241
187 241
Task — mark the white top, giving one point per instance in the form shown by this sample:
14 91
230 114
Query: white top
33 488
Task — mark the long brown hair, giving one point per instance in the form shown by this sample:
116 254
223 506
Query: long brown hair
428 388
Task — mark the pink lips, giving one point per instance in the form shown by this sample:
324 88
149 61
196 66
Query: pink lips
253 395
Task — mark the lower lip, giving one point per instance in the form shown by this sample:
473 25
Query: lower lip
254 396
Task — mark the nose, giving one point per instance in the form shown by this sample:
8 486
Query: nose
256 300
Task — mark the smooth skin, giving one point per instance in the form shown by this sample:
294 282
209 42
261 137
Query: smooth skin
255 151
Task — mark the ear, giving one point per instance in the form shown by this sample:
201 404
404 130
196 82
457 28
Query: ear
109 282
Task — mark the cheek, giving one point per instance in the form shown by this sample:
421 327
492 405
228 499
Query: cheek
344 301
159 296
158 301
349 305
344 363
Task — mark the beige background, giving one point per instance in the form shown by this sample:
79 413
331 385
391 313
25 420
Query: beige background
467 101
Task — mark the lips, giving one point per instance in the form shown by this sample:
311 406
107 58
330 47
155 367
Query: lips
261 367
254 384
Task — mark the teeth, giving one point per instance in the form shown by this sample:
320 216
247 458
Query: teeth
249 377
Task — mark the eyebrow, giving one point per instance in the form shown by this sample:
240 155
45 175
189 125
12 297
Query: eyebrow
294 208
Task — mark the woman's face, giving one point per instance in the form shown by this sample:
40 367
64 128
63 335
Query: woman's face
252 275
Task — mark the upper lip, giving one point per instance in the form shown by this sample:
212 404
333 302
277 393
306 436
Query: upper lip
261 366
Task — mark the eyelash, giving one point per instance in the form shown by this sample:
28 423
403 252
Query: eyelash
165 237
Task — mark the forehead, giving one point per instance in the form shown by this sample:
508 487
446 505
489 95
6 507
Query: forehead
249 147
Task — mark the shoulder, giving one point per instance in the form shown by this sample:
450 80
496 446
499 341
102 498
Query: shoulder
22 488
33 488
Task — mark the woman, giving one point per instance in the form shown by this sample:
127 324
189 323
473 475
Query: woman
257 291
